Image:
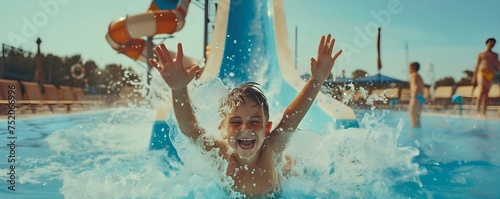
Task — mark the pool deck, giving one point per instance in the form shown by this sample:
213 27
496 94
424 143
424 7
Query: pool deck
468 111
45 114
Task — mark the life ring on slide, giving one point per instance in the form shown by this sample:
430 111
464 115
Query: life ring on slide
81 71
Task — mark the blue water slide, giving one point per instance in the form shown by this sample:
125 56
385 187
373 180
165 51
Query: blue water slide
166 4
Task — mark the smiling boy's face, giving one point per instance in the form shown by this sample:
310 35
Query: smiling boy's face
246 127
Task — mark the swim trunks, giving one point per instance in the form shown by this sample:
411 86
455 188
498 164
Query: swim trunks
486 75
420 99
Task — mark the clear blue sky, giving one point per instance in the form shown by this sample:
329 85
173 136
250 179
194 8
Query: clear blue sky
446 33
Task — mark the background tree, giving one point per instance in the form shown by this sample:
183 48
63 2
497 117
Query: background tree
50 64
359 74
19 64
91 70
467 80
111 78
447 81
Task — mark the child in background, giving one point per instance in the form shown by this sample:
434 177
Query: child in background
251 145
417 98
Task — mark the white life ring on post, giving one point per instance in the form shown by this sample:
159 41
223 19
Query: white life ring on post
80 68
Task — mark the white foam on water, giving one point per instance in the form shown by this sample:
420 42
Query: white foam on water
358 162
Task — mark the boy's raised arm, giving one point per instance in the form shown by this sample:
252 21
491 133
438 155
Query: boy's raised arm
177 78
320 70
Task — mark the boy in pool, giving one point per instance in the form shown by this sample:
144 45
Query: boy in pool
416 94
487 62
250 145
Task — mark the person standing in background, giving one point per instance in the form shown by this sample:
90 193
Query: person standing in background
417 98
487 62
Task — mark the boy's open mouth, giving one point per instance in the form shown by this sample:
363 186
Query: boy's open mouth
246 143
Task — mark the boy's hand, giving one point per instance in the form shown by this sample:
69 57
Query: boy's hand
323 64
173 71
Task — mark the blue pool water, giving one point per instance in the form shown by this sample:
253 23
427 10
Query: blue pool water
105 155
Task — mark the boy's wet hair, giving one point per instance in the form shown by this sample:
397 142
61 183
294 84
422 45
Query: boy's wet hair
415 65
246 93
491 39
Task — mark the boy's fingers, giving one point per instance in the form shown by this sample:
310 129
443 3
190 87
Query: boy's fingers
166 53
180 54
327 47
332 44
193 70
337 55
321 45
160 55
154 64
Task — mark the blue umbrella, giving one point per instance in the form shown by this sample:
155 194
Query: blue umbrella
379 78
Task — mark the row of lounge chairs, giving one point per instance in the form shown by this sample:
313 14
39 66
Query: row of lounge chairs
442 96
29 95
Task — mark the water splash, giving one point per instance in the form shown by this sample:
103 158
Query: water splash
360 163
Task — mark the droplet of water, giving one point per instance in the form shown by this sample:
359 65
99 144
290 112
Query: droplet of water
231 74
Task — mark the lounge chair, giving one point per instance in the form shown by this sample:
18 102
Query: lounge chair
392 93
67 97
80 96
384 97
466 92
442 97
494 94
33 94
404 96
12 88
427 95
51 97
392 96
494 97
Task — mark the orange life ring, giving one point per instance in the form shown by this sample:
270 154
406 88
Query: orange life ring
81 70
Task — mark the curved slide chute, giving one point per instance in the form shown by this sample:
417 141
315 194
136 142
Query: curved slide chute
163 17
